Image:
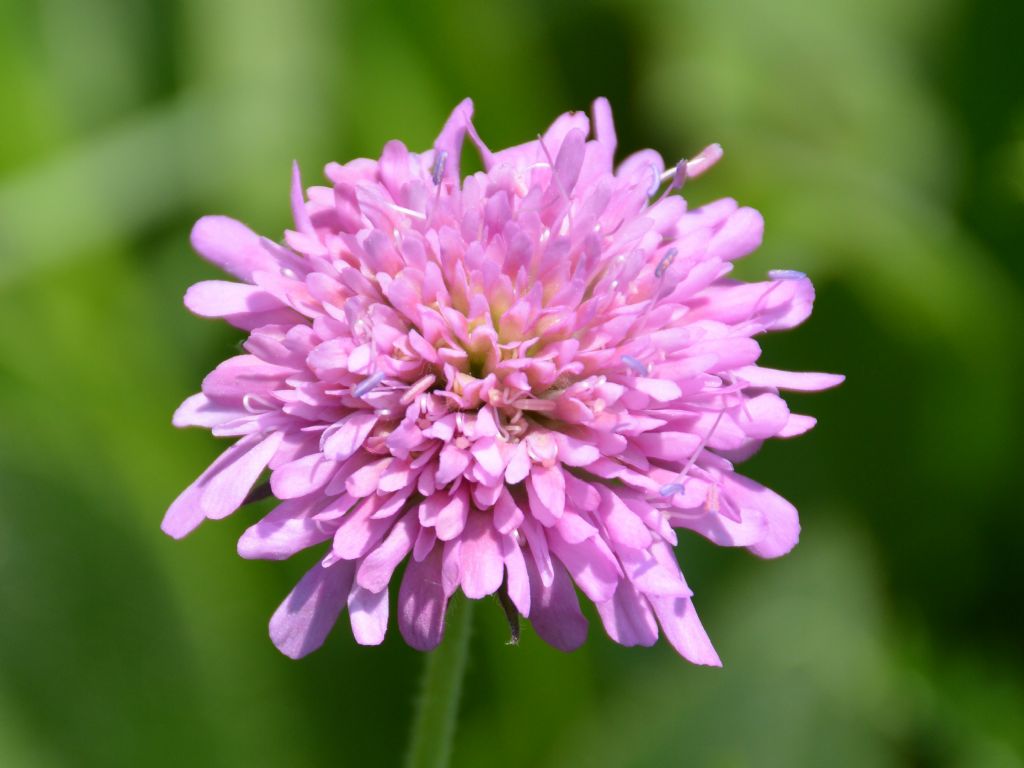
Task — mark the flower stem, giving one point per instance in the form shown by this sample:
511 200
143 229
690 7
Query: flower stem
433 729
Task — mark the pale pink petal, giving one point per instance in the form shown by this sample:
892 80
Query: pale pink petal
231 245
368 613
678 619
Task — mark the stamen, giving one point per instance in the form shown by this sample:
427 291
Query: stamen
557 180
635 364
417 388
407 212
367 384
670 490
255 404
678 176
666 262
666 490
438 170
785 274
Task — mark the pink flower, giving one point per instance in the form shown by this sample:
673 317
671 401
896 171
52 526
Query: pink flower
521 382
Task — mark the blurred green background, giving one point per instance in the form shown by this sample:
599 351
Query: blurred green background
884 142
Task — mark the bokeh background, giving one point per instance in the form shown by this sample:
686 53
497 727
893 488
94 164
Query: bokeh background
884 142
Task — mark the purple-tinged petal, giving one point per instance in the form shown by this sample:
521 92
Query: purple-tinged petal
422 603
555 610
628 618
302 622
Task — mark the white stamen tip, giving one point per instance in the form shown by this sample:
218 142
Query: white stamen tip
786 274
670 490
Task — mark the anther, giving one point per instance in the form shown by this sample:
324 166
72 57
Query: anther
786 274
670 490
666 262
367 385
438 170
637 366
417 388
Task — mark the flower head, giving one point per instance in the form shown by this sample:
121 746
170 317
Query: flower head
521 382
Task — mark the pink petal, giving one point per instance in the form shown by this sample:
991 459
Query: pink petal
200 411
592 565
796 381
546 489
507 515
678 619
422 603
302 622
662 390
518 581
368 612
302 476
628 618
231 245
782 523
376 568
740 235
244 306
451 518
225 490
555 610
347 436
291 527
452 462
482 564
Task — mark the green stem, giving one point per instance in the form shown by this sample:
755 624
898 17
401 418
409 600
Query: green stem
437 710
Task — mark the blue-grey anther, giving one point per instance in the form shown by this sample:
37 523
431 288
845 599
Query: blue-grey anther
438 170
367 384
666 262
635 365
